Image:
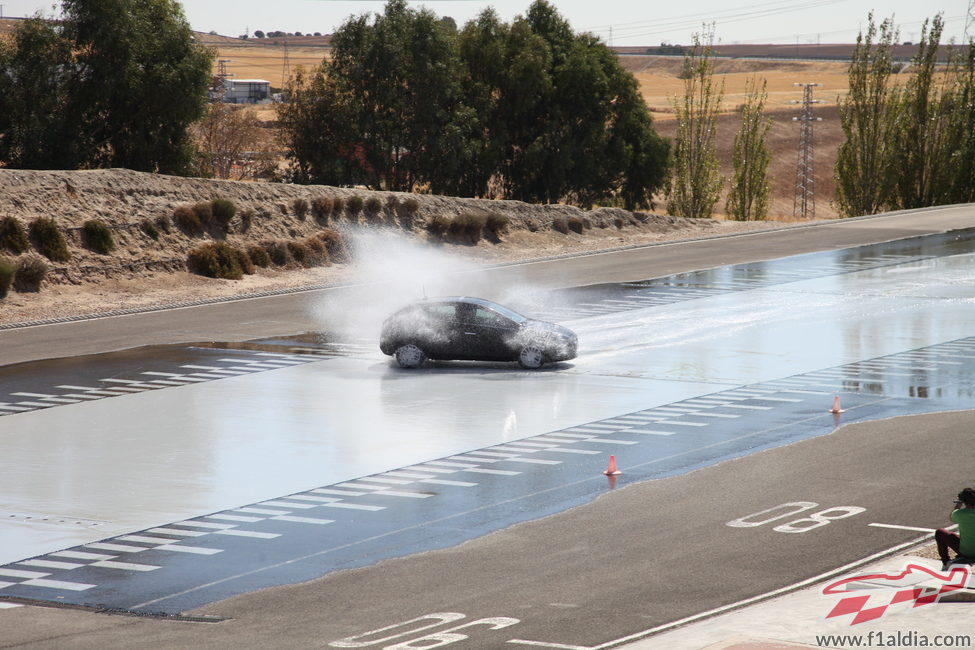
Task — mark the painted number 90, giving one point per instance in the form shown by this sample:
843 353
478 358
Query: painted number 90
801 525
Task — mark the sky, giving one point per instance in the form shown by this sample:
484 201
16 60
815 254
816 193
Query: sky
617 22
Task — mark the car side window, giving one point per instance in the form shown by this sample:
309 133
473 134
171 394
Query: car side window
488 318
444 313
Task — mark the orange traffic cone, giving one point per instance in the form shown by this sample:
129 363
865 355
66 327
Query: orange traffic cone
612 470
836 405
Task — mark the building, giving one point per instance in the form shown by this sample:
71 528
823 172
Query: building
245 91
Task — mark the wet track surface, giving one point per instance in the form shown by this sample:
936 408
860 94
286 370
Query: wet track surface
283 460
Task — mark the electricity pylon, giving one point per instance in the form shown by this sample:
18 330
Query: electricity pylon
804 206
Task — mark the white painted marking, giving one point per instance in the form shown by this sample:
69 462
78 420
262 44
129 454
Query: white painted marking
535 461
688 424
577 436
33 395
163 374
920 530
177 531
58 584
406 495
141 538
749 407
239 517
410 475
523 443
166 382
436 470
307 497
14 408
354 506
449 464
196 550
62 400
778 399
562 450
362 486
261 511
498 472
492 454
719 415
51 564
246 533
18 573
79 555
118 548
440 481
205 375
610 441
193 367
390 481
653 433
34 404
125 566
477 459
303 520
206 524
286 504
8 605
343 493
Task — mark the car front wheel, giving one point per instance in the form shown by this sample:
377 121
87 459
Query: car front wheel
410 356
531 358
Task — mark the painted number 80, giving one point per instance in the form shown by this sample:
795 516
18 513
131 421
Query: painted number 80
801 525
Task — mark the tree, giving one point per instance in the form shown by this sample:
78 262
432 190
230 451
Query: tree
231 143
99 87
866 161
695 182
749 191
258 34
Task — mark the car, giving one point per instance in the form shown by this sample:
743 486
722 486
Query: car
472 329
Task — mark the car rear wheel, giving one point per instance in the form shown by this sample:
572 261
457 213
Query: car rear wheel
531 357
410 356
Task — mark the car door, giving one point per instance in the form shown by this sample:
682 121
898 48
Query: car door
440 330
492 333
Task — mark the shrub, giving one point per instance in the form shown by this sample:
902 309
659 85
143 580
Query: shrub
373 205
149 228
188 221
277 251
300 253
98 236
354 204
619 222
300 206
338 204
392 204
467 227
204 212
408 208
334 244
560 224
163 223
318 254
13 237
7 270
244 259
321 207
258 256
438 225
49 240
221 212
576 225
31 271
496 223
215 260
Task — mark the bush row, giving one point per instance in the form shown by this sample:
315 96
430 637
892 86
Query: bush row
468 227
223 260
45 235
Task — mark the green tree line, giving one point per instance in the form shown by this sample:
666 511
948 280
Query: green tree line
526 110
911 144
111 83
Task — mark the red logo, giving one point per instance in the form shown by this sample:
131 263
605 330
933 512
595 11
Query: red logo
916 593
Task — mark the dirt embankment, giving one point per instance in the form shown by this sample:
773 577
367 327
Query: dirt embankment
144 271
